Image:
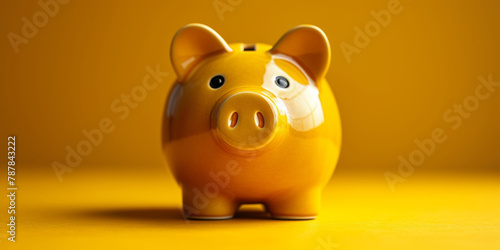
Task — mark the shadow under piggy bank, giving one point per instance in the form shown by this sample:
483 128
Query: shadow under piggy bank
164 215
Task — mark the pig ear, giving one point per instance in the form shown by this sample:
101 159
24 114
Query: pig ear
307 45
193 43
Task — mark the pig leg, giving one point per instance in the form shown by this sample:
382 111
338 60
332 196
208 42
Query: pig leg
209 206
297 205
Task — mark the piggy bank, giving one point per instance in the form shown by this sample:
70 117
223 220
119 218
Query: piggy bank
251 123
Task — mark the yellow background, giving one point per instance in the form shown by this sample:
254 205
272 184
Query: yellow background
393 92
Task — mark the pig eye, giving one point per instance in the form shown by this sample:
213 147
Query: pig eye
216 81
282 82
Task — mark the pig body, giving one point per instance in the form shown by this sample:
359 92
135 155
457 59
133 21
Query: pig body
251 123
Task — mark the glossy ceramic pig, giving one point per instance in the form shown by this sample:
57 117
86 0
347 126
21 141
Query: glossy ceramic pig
251 123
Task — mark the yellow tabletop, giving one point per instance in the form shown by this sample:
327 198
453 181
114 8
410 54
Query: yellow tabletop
140 209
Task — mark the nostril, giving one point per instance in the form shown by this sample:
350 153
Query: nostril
259 119
233 120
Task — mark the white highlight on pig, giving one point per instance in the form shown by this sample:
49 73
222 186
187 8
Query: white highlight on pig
303 106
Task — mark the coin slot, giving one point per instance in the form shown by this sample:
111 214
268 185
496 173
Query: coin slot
249 47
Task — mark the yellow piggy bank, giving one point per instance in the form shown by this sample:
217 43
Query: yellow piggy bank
251 123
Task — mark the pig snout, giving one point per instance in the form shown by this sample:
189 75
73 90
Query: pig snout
246 120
